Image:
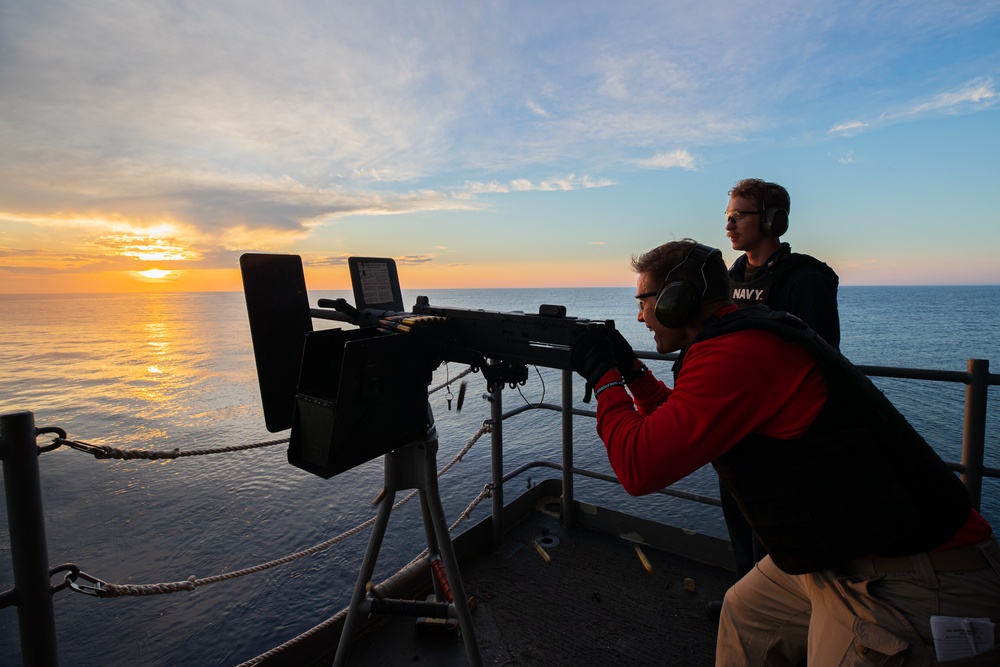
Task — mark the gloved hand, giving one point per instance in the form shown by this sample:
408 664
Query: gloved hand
624 355
592 356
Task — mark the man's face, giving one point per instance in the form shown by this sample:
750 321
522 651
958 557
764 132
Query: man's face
743 229
665 338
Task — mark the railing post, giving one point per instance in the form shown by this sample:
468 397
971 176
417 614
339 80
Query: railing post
28 550
568 514
496 458
974 428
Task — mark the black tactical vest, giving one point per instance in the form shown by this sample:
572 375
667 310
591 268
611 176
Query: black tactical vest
860 482
769 278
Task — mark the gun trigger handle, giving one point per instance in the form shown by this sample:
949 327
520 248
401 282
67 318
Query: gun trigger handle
341 306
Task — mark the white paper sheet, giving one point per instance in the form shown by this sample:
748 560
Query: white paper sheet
956 638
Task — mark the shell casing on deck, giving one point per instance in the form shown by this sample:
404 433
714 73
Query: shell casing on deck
542 552
642 558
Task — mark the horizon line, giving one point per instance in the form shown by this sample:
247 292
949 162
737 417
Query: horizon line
445 289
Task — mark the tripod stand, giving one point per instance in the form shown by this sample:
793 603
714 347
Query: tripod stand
413 466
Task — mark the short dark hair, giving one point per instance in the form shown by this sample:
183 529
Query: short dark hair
756 190
663 260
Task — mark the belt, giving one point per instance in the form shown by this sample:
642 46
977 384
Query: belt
949 560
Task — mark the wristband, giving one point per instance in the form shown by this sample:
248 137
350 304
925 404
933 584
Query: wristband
613 383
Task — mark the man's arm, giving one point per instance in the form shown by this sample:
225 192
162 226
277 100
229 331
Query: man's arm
730 386
649 393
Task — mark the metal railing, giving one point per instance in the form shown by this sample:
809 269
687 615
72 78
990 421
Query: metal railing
976 378
33 592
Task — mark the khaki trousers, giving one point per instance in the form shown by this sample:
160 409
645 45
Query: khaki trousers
868 612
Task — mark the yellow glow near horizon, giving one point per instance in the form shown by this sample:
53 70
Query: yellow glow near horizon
147 247
154 274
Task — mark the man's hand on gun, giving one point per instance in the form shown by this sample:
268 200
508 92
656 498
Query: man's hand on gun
624 355
599 351
592 356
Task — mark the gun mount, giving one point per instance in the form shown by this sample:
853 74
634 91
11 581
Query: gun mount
352 395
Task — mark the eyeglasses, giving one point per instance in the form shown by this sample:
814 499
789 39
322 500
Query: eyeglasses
735 215
639 299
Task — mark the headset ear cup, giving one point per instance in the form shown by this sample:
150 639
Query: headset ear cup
677 303
774 222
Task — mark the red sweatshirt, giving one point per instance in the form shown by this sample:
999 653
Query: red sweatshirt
730 386
750 381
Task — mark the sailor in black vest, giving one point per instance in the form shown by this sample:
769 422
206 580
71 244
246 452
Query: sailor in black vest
875 549
769 273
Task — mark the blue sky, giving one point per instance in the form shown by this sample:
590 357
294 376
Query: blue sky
489 144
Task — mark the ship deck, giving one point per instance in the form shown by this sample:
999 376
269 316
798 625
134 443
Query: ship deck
593 603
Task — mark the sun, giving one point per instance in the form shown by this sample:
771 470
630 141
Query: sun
154 274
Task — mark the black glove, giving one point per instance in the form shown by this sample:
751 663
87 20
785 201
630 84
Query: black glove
624 356
592 356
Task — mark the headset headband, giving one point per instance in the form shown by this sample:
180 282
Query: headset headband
678 301
698 251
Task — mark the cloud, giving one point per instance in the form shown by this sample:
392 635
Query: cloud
413 260
341 260
231 208
679 157
971 97
850 127
328 260
40 260
256 127
847 159
146 248
560 183
537 109
272 92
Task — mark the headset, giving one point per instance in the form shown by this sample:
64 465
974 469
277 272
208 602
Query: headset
773 221
678 301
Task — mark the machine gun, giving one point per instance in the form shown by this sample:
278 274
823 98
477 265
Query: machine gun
350 395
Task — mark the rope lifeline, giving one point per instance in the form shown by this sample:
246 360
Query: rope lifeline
108 452
110 590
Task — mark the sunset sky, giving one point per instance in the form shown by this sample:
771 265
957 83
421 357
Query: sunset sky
146 145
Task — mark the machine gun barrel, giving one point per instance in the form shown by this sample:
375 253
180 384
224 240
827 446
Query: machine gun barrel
544 339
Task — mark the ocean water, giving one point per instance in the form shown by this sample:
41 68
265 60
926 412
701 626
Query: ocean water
177 370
